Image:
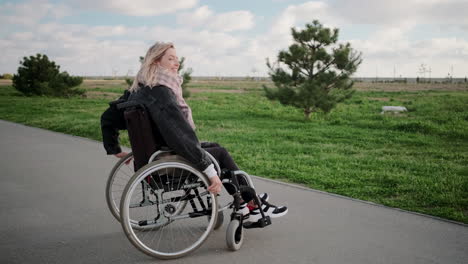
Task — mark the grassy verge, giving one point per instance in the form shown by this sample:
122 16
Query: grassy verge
415 161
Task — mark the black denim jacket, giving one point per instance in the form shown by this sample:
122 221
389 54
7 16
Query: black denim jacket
161 103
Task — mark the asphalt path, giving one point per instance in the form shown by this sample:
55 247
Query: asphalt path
53 210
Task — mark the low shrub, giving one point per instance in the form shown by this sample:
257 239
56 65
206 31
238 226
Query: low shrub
39 76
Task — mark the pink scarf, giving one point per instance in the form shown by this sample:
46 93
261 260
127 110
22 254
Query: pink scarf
174 82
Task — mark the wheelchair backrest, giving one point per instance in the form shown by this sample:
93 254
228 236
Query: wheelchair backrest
144 135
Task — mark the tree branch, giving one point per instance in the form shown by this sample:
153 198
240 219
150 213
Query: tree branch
337 78
323 68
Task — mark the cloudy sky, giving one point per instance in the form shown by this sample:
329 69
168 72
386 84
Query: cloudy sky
233 38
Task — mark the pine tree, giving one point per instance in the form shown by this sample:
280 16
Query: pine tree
319 70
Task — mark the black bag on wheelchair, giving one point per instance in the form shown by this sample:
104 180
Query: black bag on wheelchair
145 139
140 132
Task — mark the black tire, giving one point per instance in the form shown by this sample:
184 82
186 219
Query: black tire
118 178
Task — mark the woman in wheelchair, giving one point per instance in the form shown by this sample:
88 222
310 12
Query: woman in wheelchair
157 87
168 204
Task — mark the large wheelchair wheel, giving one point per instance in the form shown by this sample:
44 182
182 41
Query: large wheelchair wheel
179 214
118 178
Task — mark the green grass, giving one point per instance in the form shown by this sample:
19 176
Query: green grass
112 89
415 161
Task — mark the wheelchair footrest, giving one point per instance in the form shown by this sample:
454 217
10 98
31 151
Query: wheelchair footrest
261 223
199 213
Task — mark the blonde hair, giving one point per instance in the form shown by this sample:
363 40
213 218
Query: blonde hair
149 67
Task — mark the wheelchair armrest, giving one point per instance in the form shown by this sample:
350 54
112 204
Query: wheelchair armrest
163 150
129 104
116 102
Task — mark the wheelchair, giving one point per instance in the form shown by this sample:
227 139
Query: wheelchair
162 201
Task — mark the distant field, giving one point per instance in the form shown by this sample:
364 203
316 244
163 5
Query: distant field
415 161
389 87
244 85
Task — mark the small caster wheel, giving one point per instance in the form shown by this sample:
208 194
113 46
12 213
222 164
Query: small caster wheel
234 235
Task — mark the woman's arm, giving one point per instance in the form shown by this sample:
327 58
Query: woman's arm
112 120
206 144
176 131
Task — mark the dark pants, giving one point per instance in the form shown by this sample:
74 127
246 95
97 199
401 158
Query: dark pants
225 160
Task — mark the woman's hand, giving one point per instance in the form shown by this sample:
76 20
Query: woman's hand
121 155
216 185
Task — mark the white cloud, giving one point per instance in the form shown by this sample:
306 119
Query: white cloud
22 36
392 44
298 15
215 44
98 50
401 12
30 13
74 47
390 41
279 36
224 22
196 17
137 7
231 21
88 50
438 53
